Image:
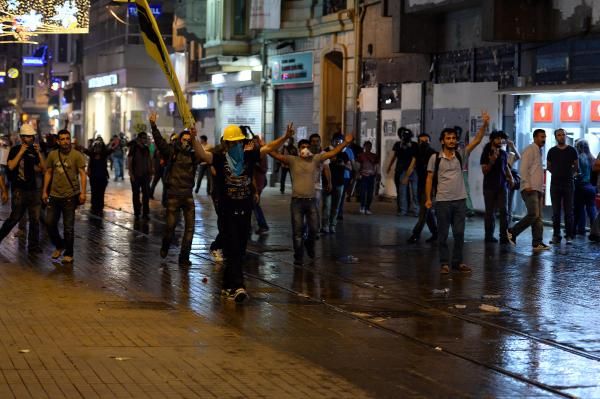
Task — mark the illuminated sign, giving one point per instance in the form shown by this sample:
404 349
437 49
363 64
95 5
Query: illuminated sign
2 80
199 101
542 112
21 20
570 111
291 68
103 81
33 61
156 10
595 111
13 73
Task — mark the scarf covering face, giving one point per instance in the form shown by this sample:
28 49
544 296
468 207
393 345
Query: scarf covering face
235 158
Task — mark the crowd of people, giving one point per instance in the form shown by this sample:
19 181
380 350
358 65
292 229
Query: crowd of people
48 182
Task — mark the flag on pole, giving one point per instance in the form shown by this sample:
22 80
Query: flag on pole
157 50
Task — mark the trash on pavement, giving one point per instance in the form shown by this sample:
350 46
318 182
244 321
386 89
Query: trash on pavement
24 350
489 308
444 291
457 306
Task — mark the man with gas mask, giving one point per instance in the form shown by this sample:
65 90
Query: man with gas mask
98 153
419 163
234 167
404 151
182 157
24 162
304 169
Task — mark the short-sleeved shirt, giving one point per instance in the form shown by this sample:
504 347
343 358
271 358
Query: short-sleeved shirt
73 161
495 179
450 182
560 162
404 155
421 161
368 162
304 174
236 192
23 176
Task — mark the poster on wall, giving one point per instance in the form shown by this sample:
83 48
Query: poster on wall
542 112
265 14
595 111
570 111
389 128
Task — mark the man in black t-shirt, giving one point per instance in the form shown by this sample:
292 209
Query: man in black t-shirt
338 167
404 151
234 167
419 163
496 180
562 163
24 162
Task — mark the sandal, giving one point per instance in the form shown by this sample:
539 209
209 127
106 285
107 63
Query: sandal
445 269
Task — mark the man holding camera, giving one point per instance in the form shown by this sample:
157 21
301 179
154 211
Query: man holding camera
24 161
404 152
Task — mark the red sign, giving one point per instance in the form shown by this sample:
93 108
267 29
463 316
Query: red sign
542 112
570 111
595 111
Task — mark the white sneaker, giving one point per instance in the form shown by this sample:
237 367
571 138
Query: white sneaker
362 210
218 255
368 212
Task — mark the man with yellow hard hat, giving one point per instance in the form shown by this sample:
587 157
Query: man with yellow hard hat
234 167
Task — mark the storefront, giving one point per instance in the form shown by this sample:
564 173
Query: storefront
292 79
119 101
577 112
202 103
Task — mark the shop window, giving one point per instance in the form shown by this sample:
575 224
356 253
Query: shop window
240 11
29 86
333 6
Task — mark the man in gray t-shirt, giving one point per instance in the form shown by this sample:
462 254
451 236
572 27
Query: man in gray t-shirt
305 169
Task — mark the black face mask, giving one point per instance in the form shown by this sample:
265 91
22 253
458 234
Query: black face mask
423 146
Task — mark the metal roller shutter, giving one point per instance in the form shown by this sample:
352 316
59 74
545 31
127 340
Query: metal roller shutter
242 106
294 105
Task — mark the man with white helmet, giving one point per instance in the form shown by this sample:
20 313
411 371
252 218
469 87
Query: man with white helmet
24 162
234 168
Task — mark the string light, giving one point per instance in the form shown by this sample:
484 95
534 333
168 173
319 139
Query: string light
21 21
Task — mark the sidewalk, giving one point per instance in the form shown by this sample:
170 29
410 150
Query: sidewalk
121 323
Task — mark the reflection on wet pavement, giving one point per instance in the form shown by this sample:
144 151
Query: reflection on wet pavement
388 323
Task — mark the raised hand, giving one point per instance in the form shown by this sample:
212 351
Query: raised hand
153 117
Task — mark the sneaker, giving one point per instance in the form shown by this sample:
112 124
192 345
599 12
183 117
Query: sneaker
324 230
332 229
67 259
541 247
511 237
218 255
445 269
310 251
362 210
368 212
462 268
504 241
57 253
262 230
431 239
569 240
240 295
491 240
555 240
412 239
298 261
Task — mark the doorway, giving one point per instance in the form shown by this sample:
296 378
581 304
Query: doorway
333 95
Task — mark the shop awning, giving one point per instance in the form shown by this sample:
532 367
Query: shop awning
523 91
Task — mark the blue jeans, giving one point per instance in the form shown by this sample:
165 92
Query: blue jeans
118 165
24 201
406 191
187 206
260 217
585 205
425 216
366 191
66 207
451 213
304 210
562 200
334 200
533 202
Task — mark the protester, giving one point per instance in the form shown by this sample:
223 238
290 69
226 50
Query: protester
445 182
98 153
64 190
338 166
532 192
260 182
305 168
585 191
24 162
497 179
118 145
234 168
404 151
426 215
323 178
288 149
369 166
140 174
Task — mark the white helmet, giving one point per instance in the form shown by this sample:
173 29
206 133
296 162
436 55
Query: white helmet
27 130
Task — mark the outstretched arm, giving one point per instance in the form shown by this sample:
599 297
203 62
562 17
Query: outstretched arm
278 156
201 154
480 133
275 144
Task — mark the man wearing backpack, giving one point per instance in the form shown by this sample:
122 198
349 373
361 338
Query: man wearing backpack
65 169
497 178
445 182
24 162
140 174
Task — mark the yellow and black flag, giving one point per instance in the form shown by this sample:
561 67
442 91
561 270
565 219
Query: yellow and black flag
156 49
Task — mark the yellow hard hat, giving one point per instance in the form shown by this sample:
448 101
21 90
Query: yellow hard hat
233 133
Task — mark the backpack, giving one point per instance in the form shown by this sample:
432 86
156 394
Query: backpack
436 170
